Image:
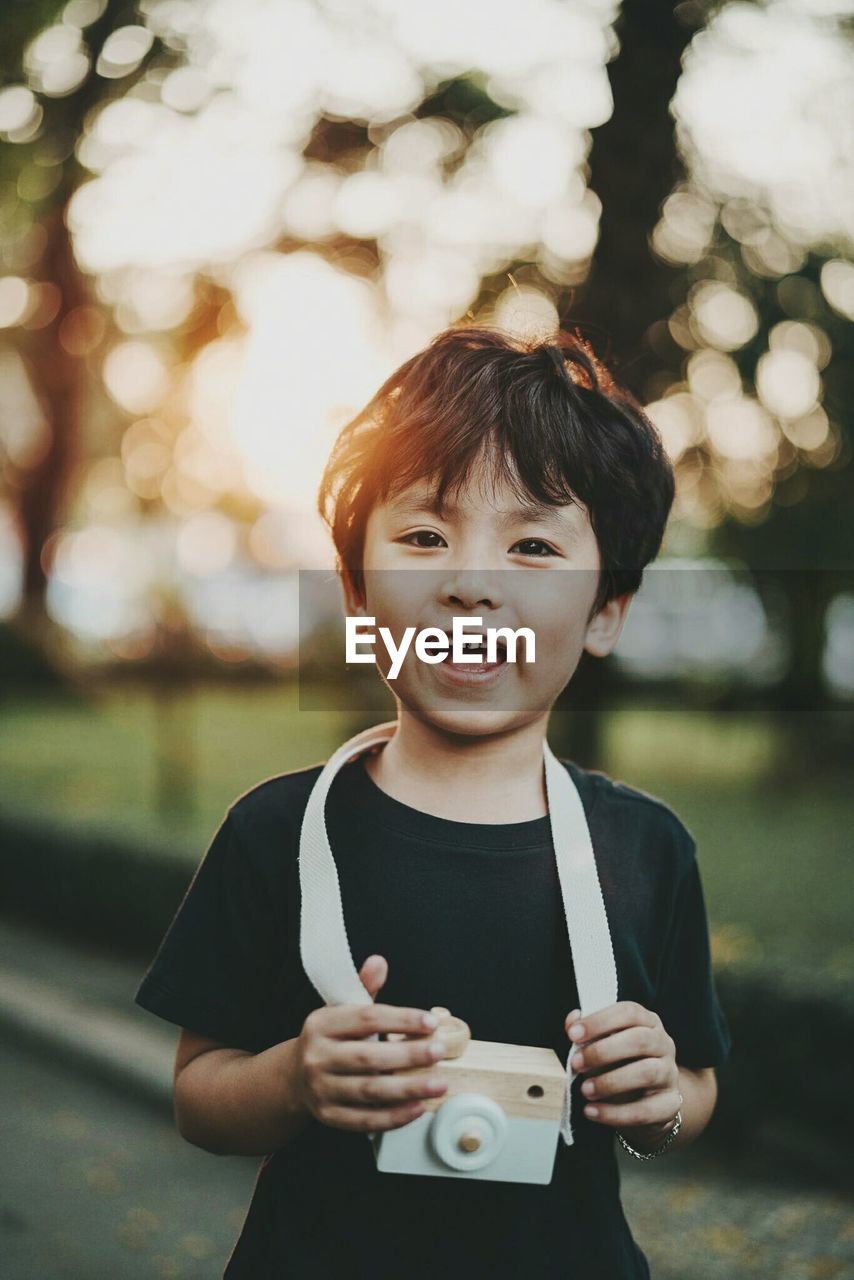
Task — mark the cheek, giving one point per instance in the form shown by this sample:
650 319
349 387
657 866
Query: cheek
557 611
395 597
559 642
562 636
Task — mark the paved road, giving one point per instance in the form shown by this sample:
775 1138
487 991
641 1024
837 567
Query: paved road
695 1220
96 1186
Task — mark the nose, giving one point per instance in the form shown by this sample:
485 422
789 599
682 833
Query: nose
471 590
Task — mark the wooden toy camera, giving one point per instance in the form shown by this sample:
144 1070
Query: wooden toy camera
498 1120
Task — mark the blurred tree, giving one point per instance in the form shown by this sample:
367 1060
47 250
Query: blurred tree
634 162
57 373
798 539
625 304
801 546
634 165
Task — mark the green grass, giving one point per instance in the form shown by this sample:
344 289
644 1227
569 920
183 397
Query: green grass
776 861
164 772
776 858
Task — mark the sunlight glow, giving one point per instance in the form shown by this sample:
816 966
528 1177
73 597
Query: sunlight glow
723 316
788 383
178 197
792 78
680 421
135 376
14 300
837 283
299 381
273 222
740 429
56 61
17 107
526 312
123 50
199 170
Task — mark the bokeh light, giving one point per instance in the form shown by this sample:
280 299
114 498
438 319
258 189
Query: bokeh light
837 282
792 78
271 220
136 376
723 316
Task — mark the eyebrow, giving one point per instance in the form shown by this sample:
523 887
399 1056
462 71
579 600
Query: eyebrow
527 512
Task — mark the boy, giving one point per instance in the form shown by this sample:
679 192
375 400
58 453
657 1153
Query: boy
499 466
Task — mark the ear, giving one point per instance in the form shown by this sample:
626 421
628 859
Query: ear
354 600
604 629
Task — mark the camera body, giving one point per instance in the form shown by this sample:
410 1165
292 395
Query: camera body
499 1119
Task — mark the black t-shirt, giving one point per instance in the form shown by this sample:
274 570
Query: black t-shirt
469 916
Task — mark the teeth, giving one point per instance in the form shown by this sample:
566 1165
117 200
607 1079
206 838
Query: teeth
473 648
470 646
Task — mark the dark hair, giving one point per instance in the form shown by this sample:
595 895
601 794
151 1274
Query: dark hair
546 407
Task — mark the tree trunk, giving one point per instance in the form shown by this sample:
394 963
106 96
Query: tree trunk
634 165
59 380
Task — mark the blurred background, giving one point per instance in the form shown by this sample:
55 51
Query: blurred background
222 226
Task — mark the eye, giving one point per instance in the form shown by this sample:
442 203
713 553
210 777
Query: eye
536 542
421 533
535 546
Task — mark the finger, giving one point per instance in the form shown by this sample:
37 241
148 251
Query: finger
570 1018
373 974
614 1017
352 1021
371 1057
657 1108
642 1074
637 1042
383 1091
371 1119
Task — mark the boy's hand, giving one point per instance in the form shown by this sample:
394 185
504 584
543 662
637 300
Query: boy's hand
630 1061
341 1079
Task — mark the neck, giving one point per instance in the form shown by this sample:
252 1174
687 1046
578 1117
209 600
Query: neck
490 778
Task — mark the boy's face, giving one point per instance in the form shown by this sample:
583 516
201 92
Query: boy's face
486 557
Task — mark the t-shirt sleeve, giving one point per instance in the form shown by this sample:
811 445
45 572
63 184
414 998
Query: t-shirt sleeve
212 971
686 998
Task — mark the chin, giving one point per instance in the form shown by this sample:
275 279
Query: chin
461 719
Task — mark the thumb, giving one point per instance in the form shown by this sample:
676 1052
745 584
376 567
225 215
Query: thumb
373 974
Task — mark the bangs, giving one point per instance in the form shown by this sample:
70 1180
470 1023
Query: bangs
494 456
517 420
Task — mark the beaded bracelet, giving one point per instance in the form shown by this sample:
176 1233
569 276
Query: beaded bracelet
650 1155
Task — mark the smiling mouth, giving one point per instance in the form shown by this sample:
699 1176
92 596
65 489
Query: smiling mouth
474 647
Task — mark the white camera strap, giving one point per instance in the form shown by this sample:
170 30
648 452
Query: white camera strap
325 949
